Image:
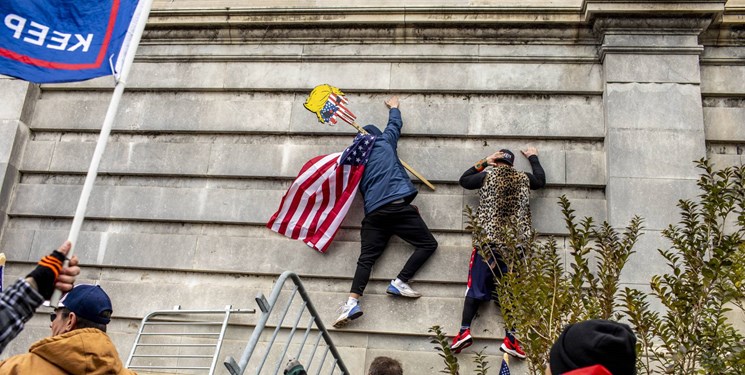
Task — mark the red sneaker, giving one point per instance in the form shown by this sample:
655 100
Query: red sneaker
512 348
461 341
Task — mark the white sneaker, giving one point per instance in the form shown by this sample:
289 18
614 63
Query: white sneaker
402 289
348 313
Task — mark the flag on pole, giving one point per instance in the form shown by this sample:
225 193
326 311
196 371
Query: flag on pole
318 200
45 41
505 368
329 104
2 269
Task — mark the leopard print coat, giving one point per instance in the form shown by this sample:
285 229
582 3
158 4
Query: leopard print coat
504 200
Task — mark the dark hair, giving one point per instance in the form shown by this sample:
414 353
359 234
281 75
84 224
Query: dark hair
385 366
83 322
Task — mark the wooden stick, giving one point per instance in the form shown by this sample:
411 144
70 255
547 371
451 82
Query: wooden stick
407 166
415 173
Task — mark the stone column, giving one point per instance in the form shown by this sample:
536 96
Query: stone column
16 103
654 126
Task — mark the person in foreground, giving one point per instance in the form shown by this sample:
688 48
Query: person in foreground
387 192
18 303
504 201
385 366
594 347
79 344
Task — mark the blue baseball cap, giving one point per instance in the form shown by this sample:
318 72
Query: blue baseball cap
372 129
89 302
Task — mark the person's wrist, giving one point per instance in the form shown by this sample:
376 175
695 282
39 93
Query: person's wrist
46 272
32 283
481 164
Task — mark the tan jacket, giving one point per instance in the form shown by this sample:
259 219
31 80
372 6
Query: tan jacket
86 351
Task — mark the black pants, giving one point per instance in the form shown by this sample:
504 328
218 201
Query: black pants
402 220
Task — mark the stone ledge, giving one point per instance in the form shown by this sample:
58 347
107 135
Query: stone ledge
631 12
276 159
393 52
241 255
719 80
431 115
248 207
724 124
450 13
162 289
584 79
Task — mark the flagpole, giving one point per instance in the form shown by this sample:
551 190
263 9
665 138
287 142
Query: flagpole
2 267
103 138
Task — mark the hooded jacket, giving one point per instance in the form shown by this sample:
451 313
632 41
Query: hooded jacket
592 370
86 351
385 179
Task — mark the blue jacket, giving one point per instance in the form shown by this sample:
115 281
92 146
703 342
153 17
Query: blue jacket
385 179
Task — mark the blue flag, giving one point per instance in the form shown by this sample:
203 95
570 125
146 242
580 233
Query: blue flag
504 369
45 41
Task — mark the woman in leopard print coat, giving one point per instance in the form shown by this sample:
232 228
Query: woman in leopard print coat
504 200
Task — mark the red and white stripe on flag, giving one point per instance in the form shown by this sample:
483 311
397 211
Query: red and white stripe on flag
343 112
317 202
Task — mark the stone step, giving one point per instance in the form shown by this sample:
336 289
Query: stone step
428 77
724 124
446 115
420 52
269 256
135 293
221 205
724 161
239 255
716 80
277 157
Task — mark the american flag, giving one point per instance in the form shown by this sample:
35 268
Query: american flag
318 200
504 369
2 266
336 107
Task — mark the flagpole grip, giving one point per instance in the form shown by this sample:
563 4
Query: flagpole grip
407 166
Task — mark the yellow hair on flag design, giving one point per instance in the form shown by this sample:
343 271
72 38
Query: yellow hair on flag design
318 98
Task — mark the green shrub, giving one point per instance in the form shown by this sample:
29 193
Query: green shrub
706 259
706 280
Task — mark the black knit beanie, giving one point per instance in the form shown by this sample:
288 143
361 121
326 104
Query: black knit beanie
595 342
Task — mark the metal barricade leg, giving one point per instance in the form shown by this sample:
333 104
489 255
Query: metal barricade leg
267 306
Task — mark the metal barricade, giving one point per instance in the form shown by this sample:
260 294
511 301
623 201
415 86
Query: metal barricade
266 307
164 326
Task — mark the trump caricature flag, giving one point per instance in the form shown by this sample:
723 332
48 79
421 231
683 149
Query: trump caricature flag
318 200
328 103
45 41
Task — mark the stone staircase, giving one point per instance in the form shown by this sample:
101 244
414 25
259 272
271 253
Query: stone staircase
209 136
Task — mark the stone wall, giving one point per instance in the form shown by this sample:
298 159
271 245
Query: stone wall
619 99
